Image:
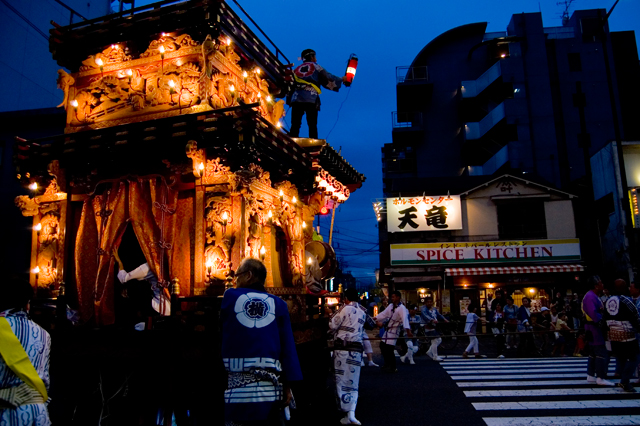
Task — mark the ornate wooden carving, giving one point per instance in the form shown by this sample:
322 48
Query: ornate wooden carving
174 75
30 206
111 55
49 245
219 236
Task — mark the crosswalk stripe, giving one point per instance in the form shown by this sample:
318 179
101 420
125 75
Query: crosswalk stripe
529 383
563 421
532 370
543 392
504 361
556 405
518 376
525 360
513 364
540 388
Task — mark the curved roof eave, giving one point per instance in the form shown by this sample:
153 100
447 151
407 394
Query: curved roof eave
463 31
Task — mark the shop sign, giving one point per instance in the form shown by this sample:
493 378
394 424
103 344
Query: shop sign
486 252
429 213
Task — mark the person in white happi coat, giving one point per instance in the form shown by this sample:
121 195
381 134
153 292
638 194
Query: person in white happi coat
430 316
348 325
25 349
161 299
397 319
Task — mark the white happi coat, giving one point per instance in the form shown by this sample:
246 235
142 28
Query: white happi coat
398 321
348 324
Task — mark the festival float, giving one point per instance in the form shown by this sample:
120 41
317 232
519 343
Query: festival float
173 130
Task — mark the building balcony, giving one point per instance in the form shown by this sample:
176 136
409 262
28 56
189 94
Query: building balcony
476 130
412 75
492 165
408 128
413 88
406 120
472 88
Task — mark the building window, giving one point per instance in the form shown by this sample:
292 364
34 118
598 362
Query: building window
575 65
522 220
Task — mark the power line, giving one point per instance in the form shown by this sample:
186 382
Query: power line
25 19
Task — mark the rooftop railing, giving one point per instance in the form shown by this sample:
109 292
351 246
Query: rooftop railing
405 73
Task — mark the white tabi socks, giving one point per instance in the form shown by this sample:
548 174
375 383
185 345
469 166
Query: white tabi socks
350 419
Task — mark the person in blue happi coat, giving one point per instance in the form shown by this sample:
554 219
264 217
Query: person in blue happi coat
258 350
309 76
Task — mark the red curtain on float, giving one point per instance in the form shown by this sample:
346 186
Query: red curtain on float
150 205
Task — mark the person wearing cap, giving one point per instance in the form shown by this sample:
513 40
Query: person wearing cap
309 76
543 325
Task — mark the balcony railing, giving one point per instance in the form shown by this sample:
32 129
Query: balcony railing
559 32
403 120
475 130
472 88
404 74
494 35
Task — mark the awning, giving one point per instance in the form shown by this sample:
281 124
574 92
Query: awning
419 279
500 270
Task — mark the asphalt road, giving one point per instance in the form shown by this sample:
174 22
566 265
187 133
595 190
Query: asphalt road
510 391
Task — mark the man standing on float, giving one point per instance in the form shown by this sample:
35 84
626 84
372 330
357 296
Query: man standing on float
305 99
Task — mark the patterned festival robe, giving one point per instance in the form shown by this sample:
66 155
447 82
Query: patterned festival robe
37 344
310 76
258 351
348 326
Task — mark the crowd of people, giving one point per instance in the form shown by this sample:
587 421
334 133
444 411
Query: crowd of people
259 353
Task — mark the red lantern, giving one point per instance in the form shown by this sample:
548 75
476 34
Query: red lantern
324 210
350 73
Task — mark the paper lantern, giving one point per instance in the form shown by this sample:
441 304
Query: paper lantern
350 73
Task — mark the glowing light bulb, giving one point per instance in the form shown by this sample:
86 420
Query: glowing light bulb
262 251
172 84
309 261
99 62
270 214
209 264
257 70
33 186
304 225
36 270
225 216
228 41
244 74
259 95
74 103
232 88
129 72
268 98
278 125
294 199
281 193
38 227
161 49
201 166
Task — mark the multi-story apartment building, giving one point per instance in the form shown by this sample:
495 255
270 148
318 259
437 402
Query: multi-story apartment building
532 101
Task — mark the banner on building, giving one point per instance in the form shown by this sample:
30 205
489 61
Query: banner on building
486 252
429 213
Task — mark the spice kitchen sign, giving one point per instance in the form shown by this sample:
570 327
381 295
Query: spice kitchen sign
427 213
485 252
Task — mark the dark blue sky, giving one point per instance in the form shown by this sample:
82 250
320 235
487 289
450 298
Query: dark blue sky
384 35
